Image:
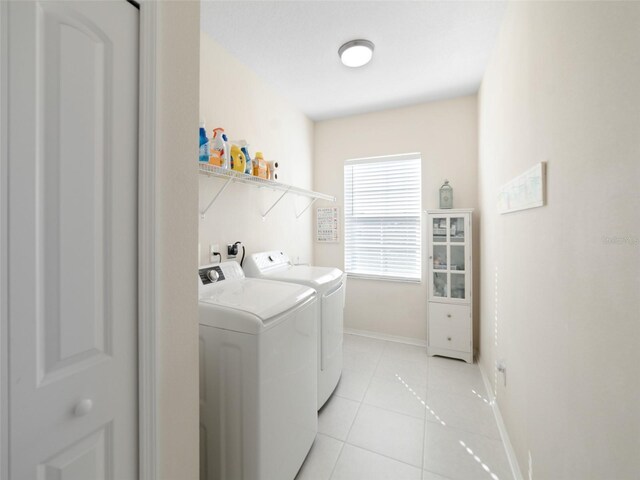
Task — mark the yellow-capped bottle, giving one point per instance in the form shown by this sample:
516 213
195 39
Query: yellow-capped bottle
259 166
238 161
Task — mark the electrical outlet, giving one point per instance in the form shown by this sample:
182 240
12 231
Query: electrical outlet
214 249
232 250
501 366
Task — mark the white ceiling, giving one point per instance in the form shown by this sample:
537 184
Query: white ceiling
424 50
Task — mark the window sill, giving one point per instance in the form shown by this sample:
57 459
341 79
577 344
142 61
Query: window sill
360 276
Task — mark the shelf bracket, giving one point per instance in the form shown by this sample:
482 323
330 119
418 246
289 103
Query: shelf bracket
264 215
306 208
213 200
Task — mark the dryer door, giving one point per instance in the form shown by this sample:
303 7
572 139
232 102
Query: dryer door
332 326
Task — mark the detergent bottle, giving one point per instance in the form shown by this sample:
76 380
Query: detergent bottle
259 166
220 155
238 162
249 165
204 144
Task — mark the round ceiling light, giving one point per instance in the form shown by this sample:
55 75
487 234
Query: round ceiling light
356 53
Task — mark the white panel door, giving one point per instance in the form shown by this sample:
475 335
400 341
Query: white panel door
73 115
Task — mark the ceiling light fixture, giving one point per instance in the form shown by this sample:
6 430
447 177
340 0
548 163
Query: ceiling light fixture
356 53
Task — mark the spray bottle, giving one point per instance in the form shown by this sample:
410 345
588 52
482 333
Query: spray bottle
204 144
220 154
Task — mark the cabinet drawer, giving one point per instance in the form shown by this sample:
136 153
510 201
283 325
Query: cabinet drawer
450 326
458 315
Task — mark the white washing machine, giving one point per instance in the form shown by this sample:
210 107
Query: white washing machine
258 381
330 284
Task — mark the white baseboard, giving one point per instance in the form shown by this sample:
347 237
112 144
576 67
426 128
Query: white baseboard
511 454
387 337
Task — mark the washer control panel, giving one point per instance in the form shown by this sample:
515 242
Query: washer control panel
211 275
269 261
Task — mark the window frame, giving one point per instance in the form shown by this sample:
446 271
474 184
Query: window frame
381 277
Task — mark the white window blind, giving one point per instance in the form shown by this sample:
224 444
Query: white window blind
382 217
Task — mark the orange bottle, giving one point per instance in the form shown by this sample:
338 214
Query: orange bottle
259 166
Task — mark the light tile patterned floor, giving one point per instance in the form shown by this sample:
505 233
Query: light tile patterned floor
400 415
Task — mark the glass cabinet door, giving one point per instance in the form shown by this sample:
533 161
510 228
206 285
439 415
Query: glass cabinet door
448 257
440 229
440 284
457 257
458 285
456 230
440 257
457 268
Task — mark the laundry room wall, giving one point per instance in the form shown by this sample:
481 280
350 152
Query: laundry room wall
446 135
560 286
233 97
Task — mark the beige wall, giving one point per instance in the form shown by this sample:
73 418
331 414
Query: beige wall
559 302
177 117
446 135
232 97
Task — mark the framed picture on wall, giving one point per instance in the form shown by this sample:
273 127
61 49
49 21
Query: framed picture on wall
327 220
527 190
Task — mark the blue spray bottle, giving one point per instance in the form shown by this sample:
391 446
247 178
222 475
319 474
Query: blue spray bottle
204 144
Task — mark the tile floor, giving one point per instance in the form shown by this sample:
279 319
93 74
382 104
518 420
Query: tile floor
400 415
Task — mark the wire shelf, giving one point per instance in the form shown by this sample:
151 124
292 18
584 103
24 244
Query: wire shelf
232 176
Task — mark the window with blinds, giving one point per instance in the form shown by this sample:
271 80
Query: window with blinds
382 212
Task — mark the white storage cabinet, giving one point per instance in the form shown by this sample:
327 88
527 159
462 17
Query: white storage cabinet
450 309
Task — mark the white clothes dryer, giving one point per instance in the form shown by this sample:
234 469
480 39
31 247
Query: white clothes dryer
258 384
330 283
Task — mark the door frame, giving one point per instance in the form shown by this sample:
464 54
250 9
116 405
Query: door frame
148 285
4 217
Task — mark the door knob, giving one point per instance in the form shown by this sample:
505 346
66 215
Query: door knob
83 407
